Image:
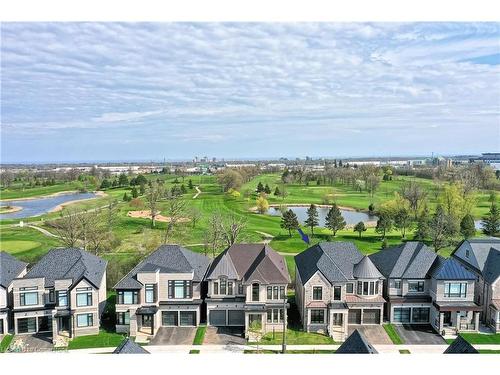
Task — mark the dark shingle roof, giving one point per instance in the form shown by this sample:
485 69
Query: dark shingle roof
70 263
460 346
130 347
450 269
335 260
10 268
365 269
249 262
481 248
411 260
167 259
356 344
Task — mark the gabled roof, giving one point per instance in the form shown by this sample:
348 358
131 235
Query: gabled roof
356 343
130 347
250 262
460 346
69 263
450 269
410 260
335 260
10 268
481 248
365 269
167 259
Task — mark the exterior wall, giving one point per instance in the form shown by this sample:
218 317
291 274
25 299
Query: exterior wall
26 283
299 296
437 291
3 297
93 309
4 318
317 280
406 292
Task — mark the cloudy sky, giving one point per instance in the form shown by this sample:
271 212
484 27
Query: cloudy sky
95 91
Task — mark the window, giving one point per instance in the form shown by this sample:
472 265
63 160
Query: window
223 285
337 319
26 325
84 296
230 288
349 288
150 293
365 288
337 293
128 297
240 288
416 286
402 315
317 293
123 318
397 284
317 316
51 296
62 298
182 289
84 320
372 288
376 287
269 292
276 292
255 292
282 292
28 298
420 315
216 287
455 290
467 253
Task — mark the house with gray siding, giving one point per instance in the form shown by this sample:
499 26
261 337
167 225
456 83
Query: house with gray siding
337 286
64 294
165 289
481 256
247 287
10 268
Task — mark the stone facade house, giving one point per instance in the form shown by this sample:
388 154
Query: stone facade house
165 289
247 287
10 268
335 287
64 294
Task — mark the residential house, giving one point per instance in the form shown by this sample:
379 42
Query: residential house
247 287
165 289
10 268
337 286
64 294
356 343
481 256
407 281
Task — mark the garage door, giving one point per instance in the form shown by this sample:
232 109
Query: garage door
354 316
188 318
235 318
401 315
371 316
169 318
44 324
26 325
217 317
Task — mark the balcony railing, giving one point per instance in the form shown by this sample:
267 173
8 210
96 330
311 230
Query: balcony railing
467 327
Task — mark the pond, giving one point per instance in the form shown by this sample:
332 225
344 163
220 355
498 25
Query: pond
350 217
40 206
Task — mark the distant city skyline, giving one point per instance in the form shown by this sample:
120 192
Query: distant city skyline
148 91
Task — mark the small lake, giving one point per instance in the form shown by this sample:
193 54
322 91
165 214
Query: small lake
350 217
40 206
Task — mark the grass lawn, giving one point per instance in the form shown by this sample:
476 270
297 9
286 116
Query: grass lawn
194 351
5 343
254 351
393 334
478 338
296 337
404 351
102 340
487 351
200 335
16 191
27 244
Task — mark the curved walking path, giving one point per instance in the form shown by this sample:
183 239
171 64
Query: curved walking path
43 231
198 192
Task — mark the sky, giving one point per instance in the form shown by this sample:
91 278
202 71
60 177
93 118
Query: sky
149 91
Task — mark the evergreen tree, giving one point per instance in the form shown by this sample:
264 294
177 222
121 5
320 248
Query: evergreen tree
142 189
133 181
260 187
384 224
141 180
190 184
115 183
123 180
135 193
289 221
334 220
105 184
277 191
312 218
125 197
267 189
491 222
360 228
467 226
183 189
423 225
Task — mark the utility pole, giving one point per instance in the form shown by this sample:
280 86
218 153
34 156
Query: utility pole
283 346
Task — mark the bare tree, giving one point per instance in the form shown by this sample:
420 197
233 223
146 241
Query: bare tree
176 208
195 215
153 195
67 228
111 214
214 235
232 228
414 194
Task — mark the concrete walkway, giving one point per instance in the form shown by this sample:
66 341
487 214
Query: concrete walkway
198 192
43 231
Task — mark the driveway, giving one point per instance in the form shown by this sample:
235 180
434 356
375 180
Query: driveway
414 334
32 343
174 336
375 334
224 336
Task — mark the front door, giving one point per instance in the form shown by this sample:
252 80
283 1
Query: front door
147 322
447 318
64 324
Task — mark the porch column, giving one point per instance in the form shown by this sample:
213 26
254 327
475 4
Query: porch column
457 323
441 322
476 320
345 323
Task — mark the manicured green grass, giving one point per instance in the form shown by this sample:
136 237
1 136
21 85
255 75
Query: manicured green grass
478 338
296 337
449 341
194 351
5 343
200 335
488 351
102 340
254 351
393 334
16 191
404 351
27 244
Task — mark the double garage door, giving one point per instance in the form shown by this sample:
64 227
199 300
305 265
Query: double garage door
179 318
226 318
370 316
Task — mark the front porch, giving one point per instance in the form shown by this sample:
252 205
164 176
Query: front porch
455 318
146 320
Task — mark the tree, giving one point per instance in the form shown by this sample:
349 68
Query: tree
123 179
111 214
153 194
190 184
334 220
277 191
267 189
141 180
137 203
262 205
360 228
67 227
125 197
234 193
312 218
372 184
402 220
175 210
195 215
467 226
260 187
135 193
230 178
491 222
105 184
232 228
415 195
289 221
213 235
142 189
384 223
440 229
183 189
423 225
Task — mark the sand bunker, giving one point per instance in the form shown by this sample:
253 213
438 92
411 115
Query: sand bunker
146 214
